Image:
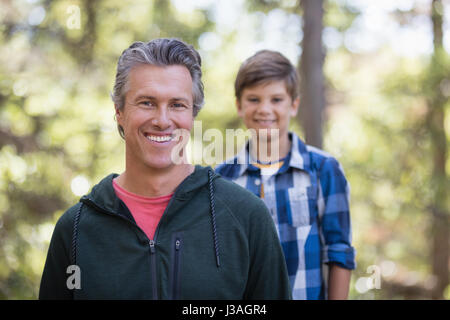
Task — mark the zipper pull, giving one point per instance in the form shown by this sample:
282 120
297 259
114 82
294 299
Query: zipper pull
152 246
177 244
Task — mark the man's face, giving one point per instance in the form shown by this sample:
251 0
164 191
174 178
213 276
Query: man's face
267 106
158 104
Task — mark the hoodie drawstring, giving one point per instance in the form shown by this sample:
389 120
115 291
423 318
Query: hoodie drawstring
213 215
213 222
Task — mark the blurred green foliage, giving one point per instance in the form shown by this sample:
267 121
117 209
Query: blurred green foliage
56 124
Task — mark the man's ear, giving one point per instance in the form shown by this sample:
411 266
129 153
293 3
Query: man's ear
294 107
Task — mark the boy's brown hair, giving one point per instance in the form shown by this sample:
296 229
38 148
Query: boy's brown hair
266 66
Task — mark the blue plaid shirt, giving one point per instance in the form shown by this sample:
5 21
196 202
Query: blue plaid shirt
309 201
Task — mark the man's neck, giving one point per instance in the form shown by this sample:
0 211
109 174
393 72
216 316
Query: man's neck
153 182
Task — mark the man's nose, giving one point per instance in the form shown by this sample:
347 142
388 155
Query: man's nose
161 118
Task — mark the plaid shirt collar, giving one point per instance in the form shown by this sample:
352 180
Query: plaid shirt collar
298 156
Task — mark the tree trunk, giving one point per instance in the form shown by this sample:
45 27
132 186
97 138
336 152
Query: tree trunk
312 99
439 181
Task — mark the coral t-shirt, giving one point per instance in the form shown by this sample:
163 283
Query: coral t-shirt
146 211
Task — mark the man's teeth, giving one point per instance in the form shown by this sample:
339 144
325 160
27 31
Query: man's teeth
159 138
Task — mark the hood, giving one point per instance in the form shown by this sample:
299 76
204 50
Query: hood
103 198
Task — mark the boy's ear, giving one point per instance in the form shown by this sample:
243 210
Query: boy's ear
295 105
118 114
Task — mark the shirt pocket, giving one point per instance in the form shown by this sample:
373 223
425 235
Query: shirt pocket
301 203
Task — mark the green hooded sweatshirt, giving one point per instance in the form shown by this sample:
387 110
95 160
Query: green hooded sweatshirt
215 240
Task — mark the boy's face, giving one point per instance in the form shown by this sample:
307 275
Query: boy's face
267 106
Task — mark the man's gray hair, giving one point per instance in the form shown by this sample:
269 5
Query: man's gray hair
158 52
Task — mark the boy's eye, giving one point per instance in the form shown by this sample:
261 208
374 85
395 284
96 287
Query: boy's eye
146 103
253 100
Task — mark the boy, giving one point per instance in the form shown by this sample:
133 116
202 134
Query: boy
161 229
304 188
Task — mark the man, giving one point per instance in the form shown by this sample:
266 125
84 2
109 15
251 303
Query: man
304 188
163 229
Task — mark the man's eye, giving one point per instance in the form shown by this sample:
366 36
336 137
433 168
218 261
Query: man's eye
178 105
277 100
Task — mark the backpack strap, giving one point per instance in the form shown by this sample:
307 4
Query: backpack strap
76 221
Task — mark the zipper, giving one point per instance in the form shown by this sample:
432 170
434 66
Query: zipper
176 269
153 263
